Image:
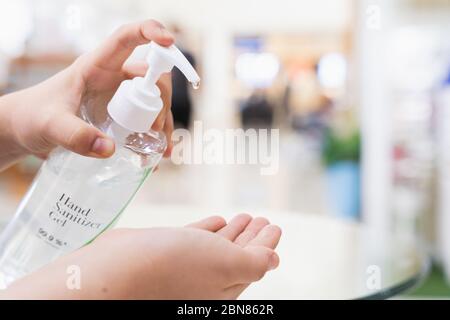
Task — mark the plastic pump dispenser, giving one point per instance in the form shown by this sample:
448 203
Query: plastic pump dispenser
74 198
137 102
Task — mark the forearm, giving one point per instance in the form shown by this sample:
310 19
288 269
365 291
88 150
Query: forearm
10 151
44 285
82 274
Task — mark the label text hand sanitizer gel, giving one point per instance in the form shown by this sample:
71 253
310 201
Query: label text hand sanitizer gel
75 198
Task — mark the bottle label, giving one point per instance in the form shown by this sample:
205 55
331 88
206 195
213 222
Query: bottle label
67 211
68 224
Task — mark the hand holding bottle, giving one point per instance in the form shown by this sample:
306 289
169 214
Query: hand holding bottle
37 119
206 260
210 259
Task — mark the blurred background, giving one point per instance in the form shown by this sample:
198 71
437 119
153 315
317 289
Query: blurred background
358 90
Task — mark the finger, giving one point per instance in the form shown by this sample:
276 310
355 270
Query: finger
168 130
136 69
268 237
42 156
165 86
251 231
262 259
118 47
210 224
74 134
234 228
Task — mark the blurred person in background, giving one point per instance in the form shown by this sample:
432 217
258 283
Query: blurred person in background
309 107
257 111
209 259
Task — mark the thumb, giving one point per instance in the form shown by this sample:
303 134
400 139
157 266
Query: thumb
76 135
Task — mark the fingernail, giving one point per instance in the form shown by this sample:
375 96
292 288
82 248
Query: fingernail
103 147
273 261
167 34
164 33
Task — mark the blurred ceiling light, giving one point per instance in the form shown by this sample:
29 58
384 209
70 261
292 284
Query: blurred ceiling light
16 22
332 71
257 70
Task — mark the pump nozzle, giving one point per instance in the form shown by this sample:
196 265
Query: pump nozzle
163 59
137 102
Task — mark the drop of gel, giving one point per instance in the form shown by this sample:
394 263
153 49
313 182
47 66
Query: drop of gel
195 85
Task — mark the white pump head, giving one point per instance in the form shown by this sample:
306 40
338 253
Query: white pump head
137 102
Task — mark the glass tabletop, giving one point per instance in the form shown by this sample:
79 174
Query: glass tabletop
383 264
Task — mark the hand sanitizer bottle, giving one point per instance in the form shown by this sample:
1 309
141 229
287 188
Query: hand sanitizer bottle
75 198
